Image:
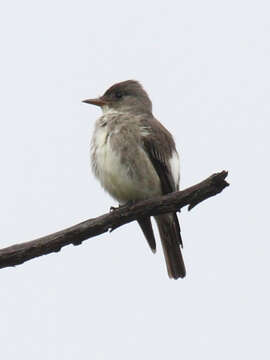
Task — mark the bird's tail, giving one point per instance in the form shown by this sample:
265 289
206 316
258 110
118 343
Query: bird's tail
169 231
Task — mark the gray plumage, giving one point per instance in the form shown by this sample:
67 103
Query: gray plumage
134 157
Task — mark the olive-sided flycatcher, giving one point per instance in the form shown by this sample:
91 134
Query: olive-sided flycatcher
134 157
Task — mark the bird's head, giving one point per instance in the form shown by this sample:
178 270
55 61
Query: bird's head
124 96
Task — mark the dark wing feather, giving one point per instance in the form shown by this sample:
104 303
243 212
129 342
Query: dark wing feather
159 146
146 226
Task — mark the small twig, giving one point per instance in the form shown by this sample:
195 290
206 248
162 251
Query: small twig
18 254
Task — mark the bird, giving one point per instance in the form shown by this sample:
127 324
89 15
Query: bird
134 157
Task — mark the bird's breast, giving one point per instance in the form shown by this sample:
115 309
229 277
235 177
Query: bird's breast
122 166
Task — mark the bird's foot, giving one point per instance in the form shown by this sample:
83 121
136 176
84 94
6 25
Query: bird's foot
113 208
127 204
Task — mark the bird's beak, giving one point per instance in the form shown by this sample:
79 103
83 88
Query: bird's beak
98 101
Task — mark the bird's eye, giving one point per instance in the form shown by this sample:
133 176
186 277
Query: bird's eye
118 95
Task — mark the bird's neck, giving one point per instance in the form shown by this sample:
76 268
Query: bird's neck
108 110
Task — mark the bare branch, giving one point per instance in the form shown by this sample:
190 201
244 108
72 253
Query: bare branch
18 254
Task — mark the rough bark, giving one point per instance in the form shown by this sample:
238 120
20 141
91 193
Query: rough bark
18 254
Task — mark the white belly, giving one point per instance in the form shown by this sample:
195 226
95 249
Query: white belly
115 176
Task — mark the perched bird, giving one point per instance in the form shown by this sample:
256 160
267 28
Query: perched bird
134 157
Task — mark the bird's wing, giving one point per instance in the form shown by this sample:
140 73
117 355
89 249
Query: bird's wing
160 148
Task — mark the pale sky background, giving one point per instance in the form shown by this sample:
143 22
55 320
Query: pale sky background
205 65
